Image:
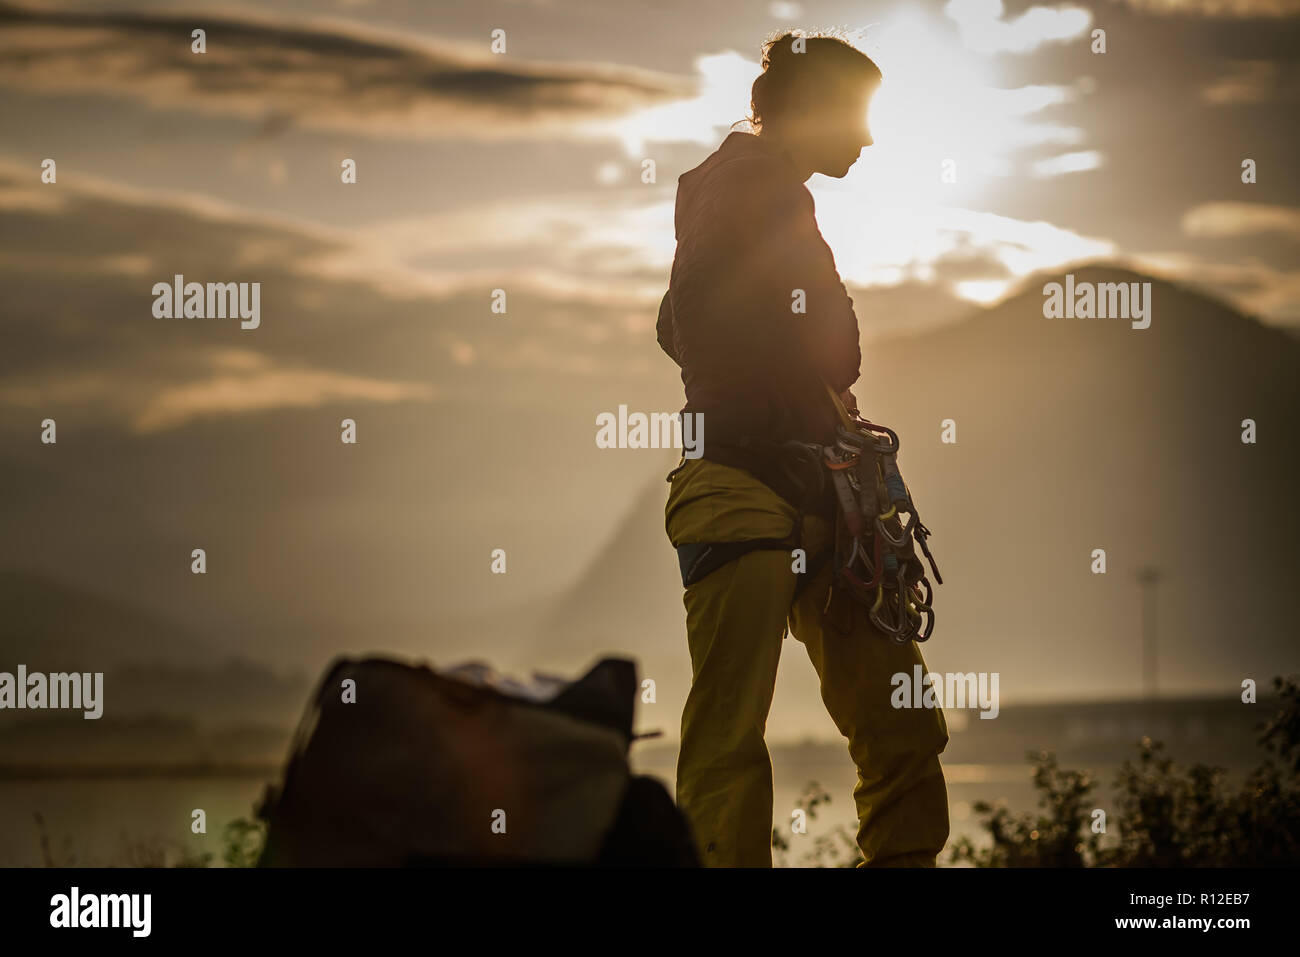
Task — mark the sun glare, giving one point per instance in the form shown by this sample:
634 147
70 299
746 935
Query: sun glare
946 127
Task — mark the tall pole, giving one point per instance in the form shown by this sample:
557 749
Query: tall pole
1149 579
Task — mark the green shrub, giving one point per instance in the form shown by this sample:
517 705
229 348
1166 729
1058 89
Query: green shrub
1165 815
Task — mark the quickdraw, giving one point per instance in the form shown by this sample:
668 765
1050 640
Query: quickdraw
875 554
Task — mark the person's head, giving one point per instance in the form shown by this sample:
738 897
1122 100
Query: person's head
812 98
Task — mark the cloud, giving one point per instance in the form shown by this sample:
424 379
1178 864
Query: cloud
1238 9
941 101
1066 163
785 10
341 322
983 29
1251 81
327 75
616 248
889 238
720 100
1232 220
244 381
983 291
1253 287
239 382
605 240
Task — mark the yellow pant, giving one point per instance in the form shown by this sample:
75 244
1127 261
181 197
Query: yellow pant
736 619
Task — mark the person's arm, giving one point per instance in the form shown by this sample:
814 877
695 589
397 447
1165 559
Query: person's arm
664 329
773 223
799 258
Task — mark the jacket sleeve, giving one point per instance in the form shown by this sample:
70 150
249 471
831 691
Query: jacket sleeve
828 330
786 253
664 329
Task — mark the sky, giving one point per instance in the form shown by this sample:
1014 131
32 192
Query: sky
524 171
525 167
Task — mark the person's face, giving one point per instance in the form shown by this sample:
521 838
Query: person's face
842 131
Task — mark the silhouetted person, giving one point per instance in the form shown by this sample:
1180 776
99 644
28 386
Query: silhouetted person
748 251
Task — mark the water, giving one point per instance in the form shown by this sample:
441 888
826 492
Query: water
967 783
117 821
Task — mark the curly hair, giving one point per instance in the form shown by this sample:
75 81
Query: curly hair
794 79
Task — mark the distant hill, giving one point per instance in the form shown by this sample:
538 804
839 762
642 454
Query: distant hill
1072 434
52 625
629 598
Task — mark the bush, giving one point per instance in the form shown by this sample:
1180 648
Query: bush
1167 816
244 840
836 849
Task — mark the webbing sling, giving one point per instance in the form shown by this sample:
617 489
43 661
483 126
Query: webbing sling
697 560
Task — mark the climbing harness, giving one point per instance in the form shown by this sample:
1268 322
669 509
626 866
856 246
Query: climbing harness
794 471
875 559
877 526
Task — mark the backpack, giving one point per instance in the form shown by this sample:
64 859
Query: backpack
424 768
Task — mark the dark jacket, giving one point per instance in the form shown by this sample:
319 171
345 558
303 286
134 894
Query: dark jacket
747 238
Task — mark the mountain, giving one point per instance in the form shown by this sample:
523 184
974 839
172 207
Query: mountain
51 625
1072 435
632 587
